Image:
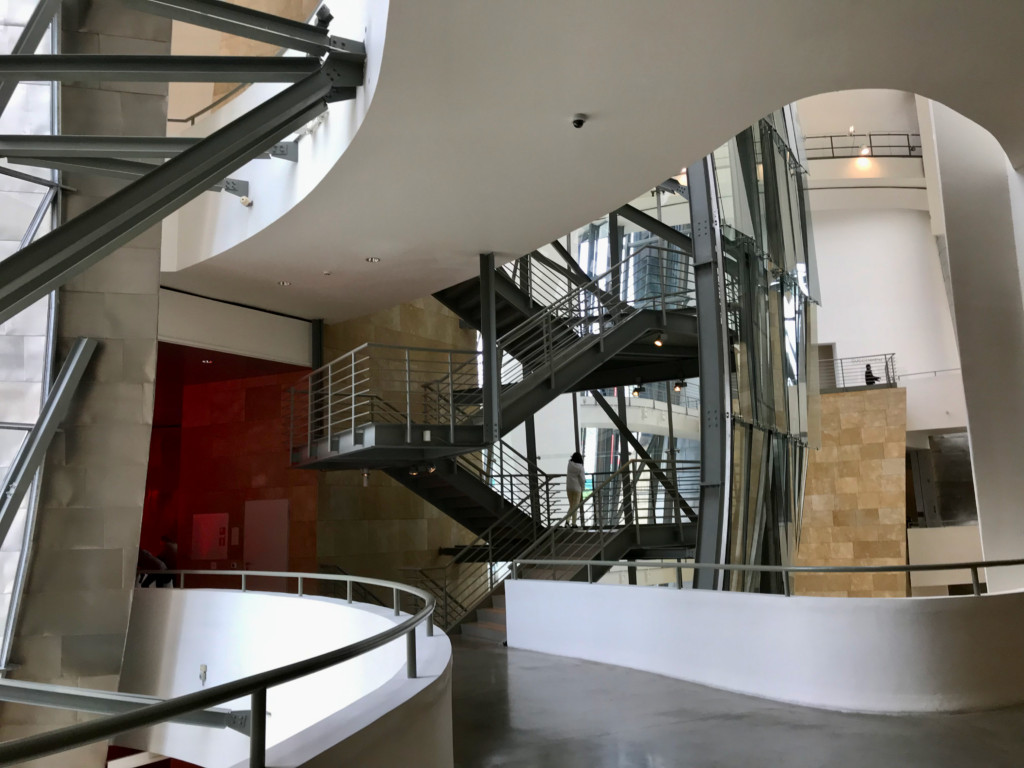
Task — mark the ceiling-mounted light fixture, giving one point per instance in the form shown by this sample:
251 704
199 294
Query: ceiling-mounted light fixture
865 150
853 129
659 341
679 386
372 260
413 471
207 362
431 468
284 283
638 389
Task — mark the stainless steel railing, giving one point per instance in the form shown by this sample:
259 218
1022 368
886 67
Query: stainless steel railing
254 686
855 372
863 145
974 567
381 383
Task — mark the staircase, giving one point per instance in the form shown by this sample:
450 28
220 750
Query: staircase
417 413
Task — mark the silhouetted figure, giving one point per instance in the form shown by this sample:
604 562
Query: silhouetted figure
869 377
150 562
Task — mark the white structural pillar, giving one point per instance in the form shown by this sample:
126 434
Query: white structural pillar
983 197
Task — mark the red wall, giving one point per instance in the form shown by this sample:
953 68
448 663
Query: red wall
216 445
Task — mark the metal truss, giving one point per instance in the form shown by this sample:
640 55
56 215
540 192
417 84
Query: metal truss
29 39
192 165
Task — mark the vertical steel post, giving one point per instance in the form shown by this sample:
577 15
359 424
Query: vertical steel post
408 399
309 416
353 398
300 586
715 400
258 729
410 653
451 402
673 473
349 591
243 581
576 422
975 583
397 601
491 362
531 456
627 491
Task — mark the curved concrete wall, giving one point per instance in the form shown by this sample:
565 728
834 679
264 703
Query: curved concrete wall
869 655
331 713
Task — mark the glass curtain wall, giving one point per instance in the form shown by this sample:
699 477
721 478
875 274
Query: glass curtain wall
771 290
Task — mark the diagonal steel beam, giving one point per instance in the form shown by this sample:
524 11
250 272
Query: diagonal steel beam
110 703
28 41
55 258
255 25
5 171
664 479
655 227
30 457
38 216
172 69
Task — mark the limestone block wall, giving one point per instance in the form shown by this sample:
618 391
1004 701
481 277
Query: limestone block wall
855 500
378 529
74 617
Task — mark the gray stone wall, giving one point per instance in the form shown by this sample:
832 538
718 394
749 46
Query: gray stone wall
74 617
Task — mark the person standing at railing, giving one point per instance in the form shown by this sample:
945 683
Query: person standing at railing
575 482
869 377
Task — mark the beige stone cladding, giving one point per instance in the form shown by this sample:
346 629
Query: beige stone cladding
855 500
377 530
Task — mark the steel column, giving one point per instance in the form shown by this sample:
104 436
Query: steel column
531 456
172 69
246 22
30 457
625 439
491 363
715 398
55 258
258 730
29 39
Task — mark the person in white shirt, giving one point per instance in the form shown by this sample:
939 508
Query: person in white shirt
575 482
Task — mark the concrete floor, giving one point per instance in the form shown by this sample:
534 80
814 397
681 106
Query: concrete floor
516 708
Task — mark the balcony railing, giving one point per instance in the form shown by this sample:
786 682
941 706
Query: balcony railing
857 372
863 145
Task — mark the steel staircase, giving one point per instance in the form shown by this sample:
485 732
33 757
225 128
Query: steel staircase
417 413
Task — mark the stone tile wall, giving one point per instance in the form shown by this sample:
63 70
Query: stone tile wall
74 618
855 501
376 530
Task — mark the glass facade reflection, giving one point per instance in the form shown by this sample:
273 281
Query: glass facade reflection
771 290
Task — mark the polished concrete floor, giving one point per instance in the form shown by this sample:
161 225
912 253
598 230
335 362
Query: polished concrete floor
517 709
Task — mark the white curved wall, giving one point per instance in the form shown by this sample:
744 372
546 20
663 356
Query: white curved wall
173 631
867 654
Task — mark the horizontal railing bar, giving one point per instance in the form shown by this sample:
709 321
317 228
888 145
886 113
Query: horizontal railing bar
782 568
86 733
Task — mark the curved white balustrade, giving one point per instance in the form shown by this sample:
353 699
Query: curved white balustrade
856 654
336 714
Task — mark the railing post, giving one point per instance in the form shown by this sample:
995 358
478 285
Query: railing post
451 401
291 424
490 563
309 416
395 599
430 624
679 576
410 653
243 582
353 398
661 266
183 581
258 729
590 573
300 586
330 408
408 399
349 591
975 582
785 584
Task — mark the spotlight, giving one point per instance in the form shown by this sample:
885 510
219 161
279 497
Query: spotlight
413 471
638 389
431 468
679 386
372 260
659 341
865 150
853 129
366 478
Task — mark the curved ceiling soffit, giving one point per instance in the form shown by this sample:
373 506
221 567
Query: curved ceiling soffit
469 148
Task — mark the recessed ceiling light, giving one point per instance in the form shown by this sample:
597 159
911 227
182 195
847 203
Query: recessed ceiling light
207 362
372 260
283 282
327 274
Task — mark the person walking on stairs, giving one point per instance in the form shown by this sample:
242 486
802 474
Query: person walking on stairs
575 482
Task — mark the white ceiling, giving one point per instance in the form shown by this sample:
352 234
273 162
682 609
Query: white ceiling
467 146
868 111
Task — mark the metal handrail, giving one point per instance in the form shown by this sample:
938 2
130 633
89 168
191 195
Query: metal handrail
877 144
785 570
256 686
851 372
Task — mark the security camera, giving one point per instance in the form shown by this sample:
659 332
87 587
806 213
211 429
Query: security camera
579 120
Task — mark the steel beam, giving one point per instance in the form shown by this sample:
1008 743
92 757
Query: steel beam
120 169
254 25
715 398
30 457
37 218
491 357
109 703
33 179
623 427
657 228
29 39
122 147
171 69
55 258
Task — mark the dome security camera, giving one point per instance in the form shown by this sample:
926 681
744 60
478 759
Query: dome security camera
578 120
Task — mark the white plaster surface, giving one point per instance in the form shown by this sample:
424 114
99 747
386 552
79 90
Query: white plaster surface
866 654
